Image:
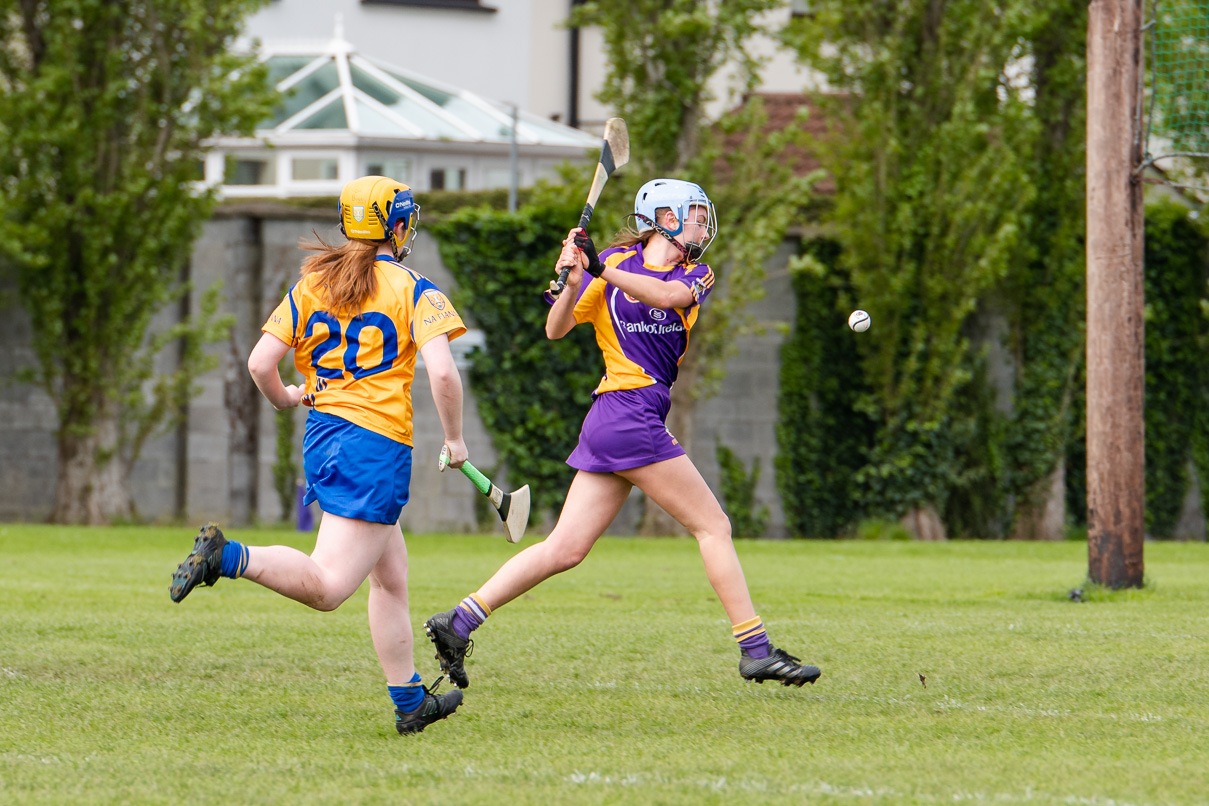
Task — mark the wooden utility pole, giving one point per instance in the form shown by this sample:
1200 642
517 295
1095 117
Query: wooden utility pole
1116 479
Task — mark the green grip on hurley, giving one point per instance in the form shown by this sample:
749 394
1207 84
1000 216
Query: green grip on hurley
481 482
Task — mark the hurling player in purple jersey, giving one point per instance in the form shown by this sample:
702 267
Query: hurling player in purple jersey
642 296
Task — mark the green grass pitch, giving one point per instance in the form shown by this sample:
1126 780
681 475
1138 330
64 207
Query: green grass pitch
613 683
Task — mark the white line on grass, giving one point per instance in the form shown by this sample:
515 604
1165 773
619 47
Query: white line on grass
840 790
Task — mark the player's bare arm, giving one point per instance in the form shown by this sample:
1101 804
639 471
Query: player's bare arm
446 386
650 290
262 364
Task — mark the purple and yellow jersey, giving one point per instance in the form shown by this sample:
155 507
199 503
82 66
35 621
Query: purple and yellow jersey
361 367
642 345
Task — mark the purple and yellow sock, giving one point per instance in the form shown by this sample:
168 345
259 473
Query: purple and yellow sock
408 696
469 615
752 638
234 560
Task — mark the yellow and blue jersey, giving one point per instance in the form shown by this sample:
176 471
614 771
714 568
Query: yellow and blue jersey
360 367
642 345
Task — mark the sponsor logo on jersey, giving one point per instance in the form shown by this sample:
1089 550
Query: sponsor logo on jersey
436 298
358 213
658 314
652 329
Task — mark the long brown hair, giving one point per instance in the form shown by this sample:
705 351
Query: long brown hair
346 272
628 235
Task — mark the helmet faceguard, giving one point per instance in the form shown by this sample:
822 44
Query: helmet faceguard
680 197
371 206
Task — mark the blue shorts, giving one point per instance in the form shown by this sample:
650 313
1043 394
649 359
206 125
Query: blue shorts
352 471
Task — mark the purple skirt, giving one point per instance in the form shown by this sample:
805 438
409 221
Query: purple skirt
625 429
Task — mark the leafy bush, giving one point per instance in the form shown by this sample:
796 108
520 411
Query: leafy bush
739 494
1177 381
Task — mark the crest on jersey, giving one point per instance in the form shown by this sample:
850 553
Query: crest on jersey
436 298
629 298
358 213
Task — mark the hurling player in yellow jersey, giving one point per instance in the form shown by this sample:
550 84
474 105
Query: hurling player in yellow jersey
642 296
355 320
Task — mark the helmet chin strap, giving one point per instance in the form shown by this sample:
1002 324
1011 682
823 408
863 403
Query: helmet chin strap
685 254
397 249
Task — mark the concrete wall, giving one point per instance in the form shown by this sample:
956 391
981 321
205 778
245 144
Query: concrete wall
743 416
27 423
219 464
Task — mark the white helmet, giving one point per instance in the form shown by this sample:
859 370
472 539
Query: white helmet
678 196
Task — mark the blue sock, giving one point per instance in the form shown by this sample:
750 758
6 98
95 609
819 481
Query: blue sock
408 697
234 560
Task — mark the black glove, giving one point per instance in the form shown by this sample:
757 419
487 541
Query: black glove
584 242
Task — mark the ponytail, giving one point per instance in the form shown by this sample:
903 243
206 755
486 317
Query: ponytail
345 272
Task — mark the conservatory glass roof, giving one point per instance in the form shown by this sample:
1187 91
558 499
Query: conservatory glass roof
339 90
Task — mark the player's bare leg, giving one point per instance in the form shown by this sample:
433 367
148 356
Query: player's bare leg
591 505
346 550
390 628
389 616
677 486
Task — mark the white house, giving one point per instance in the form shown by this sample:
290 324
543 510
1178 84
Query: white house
510 51
345 115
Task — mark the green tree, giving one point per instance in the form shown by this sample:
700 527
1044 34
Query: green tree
822 437
929 154
662 56
104 107
1044 294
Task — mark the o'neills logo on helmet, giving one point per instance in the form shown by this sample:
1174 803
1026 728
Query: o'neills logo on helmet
358 213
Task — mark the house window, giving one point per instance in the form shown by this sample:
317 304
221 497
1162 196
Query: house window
250 170
447 179
397 169
459 5
309 169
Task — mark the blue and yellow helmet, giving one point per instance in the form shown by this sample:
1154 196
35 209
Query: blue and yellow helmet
372 205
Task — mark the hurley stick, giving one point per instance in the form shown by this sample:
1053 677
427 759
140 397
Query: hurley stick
614 152
513 507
